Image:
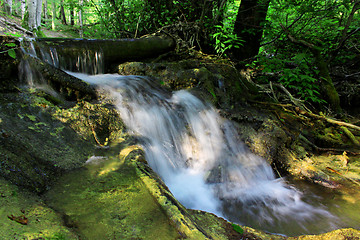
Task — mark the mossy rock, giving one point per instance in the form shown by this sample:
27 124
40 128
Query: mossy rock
24 215
220 84
107 200
35 147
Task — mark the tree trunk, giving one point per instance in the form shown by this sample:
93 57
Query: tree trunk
81 18
9 7
249 26
23 7
114 51
46 10
34 8
53 15
38 13
62 13
72 13
32 14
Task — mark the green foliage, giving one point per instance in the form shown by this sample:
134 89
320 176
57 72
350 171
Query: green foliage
57 236
237 228
319 23
295 72
11 51
222 35
225 39
11 47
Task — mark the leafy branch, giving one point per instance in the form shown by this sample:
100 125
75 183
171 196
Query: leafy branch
11 52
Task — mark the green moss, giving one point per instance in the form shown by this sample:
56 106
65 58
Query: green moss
43 222
106 199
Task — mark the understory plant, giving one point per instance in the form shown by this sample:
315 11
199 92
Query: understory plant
296 73
225 39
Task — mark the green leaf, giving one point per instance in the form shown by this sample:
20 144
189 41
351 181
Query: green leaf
31 117
10 44
13 34
12 53
237 228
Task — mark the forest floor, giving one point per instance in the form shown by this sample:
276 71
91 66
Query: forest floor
13 25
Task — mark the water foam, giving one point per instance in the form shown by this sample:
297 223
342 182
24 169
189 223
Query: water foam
199 156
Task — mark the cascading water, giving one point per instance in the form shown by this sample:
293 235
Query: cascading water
84 60
199 156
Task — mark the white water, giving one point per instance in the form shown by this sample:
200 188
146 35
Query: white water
84 60
199 156
196 152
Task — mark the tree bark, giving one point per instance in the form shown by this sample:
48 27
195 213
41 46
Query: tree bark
53 15
23 7
72 13
38 13
249 26
45 10
70 87
32 14
81 18
62 13
114 51
9 7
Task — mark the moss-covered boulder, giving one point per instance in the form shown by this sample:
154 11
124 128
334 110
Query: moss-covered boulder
23 215
219 83
35 147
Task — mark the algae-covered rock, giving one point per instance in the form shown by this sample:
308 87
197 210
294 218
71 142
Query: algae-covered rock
340 234
219 83
35 147
107 200
24 215
98 123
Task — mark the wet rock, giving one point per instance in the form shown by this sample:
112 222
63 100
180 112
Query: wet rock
42 221
219 83
340 234
35 147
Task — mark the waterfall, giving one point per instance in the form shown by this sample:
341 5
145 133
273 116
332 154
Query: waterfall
199 156
84 60
197 153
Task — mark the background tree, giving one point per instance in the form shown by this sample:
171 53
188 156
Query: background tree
34 8
301 43
249 24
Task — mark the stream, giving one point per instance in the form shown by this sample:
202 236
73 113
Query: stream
199 156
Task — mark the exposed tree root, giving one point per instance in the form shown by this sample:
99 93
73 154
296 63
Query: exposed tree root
329 120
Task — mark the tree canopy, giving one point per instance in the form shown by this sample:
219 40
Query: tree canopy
295 43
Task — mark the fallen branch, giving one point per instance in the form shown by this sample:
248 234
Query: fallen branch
320 149
14 25
337 172
350 136
329 120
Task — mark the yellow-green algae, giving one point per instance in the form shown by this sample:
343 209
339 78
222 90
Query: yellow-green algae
43 222
106 200
117 198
